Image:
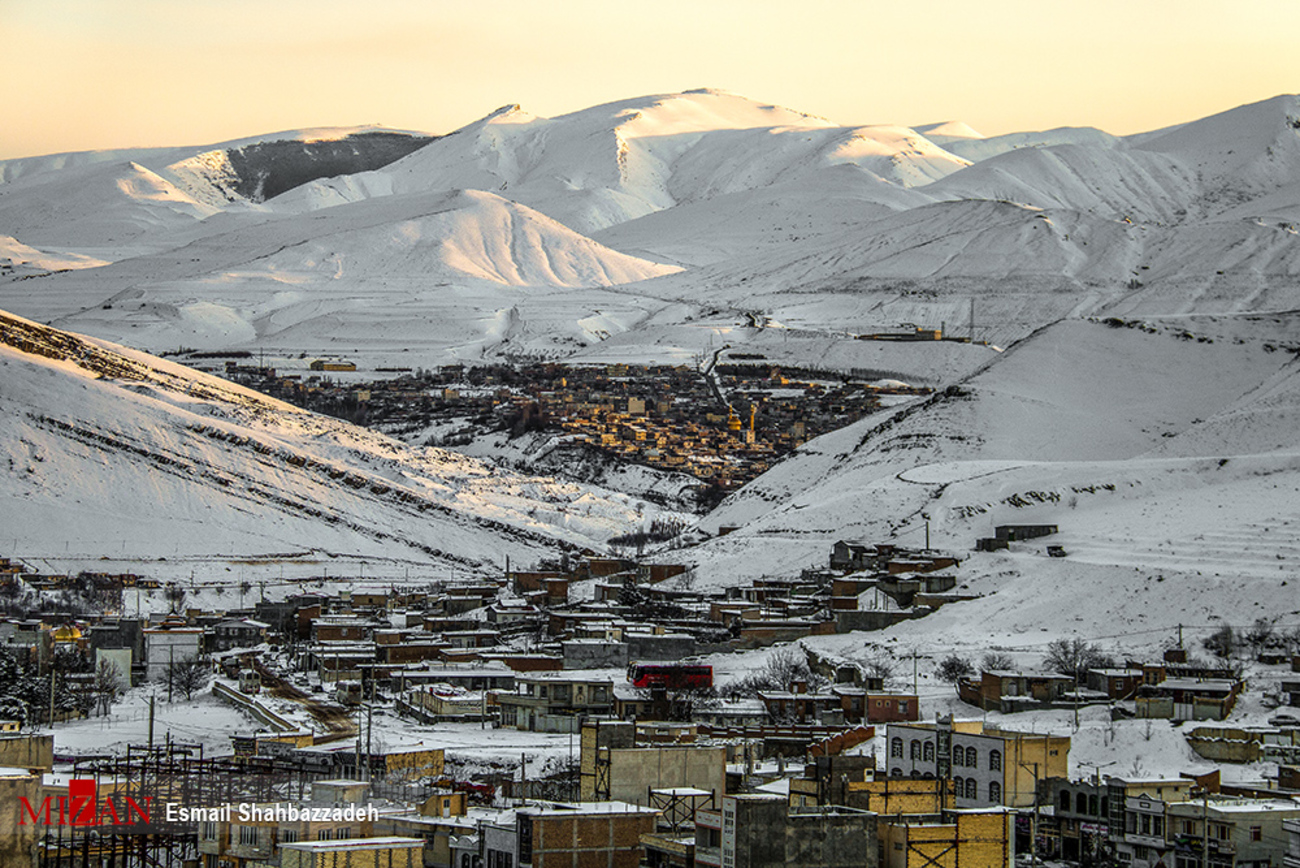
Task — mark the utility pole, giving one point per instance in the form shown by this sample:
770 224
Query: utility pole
51 691
152 697
1205 827
1033 828
171 671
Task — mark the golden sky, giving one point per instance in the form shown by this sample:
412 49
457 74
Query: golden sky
89 74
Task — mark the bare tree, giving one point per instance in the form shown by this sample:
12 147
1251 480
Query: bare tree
108 685
997 660
953 669
1222 642
189 675
1074 657
1260 635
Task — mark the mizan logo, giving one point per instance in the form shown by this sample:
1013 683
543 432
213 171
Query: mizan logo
82 807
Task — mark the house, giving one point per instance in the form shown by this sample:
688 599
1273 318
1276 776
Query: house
555 701
1115 683
1188 698
861 705
1008 691
1017 532
801 706
236 633
991 766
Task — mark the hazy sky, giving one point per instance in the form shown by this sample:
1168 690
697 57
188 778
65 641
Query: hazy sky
86 74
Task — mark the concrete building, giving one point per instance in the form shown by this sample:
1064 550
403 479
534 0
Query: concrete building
762 831
613 766
18 841
165 645
1241 833
25 750
1188 698
558 835
956 839
1292 857
990 766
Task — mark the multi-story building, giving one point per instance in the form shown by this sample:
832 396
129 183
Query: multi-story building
989 766
557 835
1229 833
763 831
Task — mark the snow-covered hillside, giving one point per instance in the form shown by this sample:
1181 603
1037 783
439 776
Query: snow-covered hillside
1161 444
109 452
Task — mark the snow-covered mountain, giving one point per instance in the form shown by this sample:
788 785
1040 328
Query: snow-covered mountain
553 236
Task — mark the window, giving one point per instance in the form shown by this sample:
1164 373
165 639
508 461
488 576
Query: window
995 792
896 773
1065 800
209 831
1146 824
343 833
896 748
902 706
1256 833
1158 826
972 758
929 751
959 758
995 760
916 749
1092 805
288 836
972 788
959 786
1080 803
325 835
248 836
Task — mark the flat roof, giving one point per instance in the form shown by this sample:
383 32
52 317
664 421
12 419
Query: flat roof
353 844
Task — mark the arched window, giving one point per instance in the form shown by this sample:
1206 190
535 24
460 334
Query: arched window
896 773
1105 807
896 748
972 788
1080 803
929 776
916 749
1065 800
916 773
959 786
972 758
929 751
1092 805
995 792
995 760
959 758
